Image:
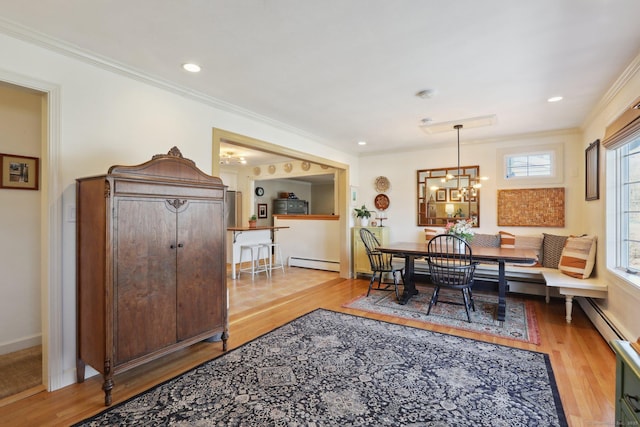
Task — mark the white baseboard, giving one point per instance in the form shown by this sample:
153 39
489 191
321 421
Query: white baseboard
20 344
599 319
314 263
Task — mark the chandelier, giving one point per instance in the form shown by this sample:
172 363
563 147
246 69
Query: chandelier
230 158
473 184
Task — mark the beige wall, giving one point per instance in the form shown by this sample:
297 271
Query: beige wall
20 134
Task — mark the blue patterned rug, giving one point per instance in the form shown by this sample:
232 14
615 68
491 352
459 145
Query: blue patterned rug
335 369
520 318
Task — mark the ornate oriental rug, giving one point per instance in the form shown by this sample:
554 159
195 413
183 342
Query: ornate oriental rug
334 369
520 322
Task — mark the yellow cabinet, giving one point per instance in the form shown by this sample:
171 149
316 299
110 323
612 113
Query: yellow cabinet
358 252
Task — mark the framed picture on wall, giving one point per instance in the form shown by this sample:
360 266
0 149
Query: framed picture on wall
454 194
262 210
592 184
19 172
441 195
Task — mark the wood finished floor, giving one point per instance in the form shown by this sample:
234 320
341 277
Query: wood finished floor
583 363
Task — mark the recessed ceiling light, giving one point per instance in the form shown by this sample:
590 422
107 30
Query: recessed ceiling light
362 142
554 99
192 68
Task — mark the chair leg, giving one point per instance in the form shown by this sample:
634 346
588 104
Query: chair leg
473 304
373 279
434 299
466 304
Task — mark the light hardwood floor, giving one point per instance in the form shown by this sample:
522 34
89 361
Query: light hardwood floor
583 363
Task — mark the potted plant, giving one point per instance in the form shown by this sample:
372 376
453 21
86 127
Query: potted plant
364 214
252 221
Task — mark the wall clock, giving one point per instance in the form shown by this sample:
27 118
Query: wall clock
259 191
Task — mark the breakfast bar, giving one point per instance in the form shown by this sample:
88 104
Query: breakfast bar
238 236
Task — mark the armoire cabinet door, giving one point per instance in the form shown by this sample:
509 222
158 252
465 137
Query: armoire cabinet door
200 275
144 276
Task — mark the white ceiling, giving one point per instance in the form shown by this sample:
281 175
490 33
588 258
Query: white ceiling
348 70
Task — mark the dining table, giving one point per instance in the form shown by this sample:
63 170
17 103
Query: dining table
411 251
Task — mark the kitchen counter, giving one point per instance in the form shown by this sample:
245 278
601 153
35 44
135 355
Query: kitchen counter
239 236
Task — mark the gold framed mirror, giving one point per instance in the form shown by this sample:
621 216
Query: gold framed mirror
448 194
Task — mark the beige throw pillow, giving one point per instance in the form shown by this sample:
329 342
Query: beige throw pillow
578 256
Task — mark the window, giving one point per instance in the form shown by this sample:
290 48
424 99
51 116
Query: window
533 165
529 165
627 188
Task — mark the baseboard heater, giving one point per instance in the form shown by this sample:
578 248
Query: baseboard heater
317 264
599 319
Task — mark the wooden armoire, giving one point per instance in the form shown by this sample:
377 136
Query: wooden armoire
151 266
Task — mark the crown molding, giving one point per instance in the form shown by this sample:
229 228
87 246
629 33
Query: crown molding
627 75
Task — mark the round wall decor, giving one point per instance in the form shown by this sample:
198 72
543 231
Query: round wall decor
381 202
259 191
288 167
305 166
272 169
382 184
256 170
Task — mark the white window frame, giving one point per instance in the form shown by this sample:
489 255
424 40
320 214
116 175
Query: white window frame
527 156
615 219
557 165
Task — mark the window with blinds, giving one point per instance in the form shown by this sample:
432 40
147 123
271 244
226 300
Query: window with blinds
622 142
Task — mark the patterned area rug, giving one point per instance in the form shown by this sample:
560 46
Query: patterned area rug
335 369
520 321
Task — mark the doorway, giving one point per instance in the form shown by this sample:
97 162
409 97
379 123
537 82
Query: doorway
21 341
342 194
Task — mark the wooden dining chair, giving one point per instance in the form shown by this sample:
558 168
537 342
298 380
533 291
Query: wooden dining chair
451 266
381 263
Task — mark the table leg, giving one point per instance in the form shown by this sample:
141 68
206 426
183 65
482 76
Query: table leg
502 292
409 280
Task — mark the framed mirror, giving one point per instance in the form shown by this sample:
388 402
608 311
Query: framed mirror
448 194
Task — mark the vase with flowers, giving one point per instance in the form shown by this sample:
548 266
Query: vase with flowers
462 228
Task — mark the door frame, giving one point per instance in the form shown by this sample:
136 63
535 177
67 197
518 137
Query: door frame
341 185
50 228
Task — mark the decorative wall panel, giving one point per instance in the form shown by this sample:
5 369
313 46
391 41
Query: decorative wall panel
531 207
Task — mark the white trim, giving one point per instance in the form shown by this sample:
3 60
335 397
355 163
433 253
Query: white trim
20 344
51 232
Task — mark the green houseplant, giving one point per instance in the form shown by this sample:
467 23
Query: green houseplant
364 214
252 221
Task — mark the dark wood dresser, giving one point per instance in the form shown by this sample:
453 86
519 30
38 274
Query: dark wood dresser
151 265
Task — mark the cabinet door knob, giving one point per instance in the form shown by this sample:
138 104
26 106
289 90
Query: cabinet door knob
180 245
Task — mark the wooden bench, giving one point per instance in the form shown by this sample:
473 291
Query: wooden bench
572 287
567 286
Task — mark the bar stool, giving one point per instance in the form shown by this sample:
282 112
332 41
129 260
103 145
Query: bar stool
274 249
255 252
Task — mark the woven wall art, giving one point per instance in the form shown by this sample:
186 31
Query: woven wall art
531 207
